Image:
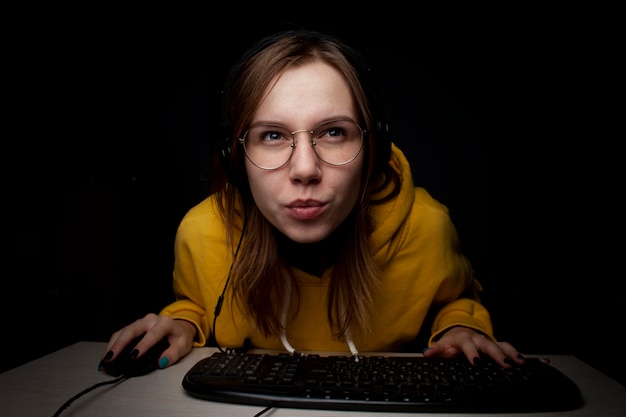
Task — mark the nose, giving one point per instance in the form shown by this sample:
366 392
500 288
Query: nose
304 165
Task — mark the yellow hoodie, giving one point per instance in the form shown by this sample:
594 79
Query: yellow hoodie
415 245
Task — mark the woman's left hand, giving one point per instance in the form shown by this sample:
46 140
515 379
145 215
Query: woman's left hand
473 344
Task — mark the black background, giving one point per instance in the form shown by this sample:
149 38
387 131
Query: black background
506 116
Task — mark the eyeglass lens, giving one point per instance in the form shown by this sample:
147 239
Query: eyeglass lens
336 142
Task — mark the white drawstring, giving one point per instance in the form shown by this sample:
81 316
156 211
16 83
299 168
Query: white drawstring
283 327
351 345
283 338
283 320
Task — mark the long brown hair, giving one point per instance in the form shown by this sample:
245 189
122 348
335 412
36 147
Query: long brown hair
260 278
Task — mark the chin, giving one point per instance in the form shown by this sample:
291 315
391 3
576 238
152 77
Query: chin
305 235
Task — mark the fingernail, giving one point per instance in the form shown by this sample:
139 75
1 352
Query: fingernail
426 349
134 354
509 361
477 360
163 362
100 366
521 357
108 356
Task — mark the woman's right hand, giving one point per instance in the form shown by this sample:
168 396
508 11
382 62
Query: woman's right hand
179 334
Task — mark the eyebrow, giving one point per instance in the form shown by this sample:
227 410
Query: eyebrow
278 124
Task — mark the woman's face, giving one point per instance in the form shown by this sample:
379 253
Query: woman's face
306 199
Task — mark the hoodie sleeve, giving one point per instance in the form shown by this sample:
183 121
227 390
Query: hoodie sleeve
201 266
418 246
458 291
462 312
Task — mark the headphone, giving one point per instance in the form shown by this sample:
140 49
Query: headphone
366 78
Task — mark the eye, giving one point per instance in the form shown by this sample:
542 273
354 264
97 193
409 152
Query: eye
333 132
268 135
272 135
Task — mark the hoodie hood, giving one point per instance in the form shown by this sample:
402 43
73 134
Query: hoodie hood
391 215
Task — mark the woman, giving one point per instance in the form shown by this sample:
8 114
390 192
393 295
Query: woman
316 238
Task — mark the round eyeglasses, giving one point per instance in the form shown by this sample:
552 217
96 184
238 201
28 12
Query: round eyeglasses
270 146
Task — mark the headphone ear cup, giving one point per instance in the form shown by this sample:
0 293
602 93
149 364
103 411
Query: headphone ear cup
227 162
383 142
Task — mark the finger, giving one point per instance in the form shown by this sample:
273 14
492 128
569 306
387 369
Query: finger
472 354
112 340
474 345
494 352
180 342
126 335
511 352
504 354
442 350
153 329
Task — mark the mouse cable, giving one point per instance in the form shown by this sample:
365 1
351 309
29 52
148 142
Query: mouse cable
85 391
265 410
115 381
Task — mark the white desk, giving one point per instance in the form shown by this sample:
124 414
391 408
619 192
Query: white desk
40 387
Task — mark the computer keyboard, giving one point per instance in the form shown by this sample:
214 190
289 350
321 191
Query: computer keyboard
380 383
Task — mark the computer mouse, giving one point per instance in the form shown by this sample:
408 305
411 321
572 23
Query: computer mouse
124 365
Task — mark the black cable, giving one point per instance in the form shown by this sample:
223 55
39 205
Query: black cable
220 300
85 391
265 410
115 381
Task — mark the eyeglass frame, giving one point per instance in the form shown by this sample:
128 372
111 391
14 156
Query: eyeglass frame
242 141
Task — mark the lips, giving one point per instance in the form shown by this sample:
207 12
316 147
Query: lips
305 210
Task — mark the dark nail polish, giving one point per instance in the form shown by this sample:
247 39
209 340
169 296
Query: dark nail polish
509 361
477 360
521 357
108 356
134 354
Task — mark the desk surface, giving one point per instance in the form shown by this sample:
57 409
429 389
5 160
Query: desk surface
40 387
